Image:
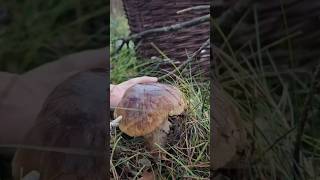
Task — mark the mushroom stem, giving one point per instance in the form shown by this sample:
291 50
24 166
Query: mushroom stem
115 123
158 136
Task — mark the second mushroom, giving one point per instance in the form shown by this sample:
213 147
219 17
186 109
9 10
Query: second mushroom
145 109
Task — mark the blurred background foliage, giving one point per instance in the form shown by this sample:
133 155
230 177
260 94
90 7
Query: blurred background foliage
266 58
34 32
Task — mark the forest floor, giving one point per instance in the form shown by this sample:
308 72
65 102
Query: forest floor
186 155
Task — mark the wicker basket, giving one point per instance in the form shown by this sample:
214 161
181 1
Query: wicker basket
147 14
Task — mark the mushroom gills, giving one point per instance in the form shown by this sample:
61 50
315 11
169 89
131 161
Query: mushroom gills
158 136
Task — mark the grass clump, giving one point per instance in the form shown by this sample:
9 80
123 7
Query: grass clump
271 99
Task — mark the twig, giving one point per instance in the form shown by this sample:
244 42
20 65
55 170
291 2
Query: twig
204 45
120 47
175 27
170 28
304 118
194 8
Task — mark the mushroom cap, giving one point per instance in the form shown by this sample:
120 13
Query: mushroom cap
72 116
144 107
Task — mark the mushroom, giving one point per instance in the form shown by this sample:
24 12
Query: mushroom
145 109
67 140
228 136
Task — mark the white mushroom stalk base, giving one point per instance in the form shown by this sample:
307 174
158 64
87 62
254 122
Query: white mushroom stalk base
115 123
158 136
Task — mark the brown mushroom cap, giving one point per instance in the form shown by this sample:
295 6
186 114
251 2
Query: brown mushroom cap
73 116
144 107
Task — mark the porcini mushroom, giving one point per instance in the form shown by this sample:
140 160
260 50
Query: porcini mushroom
229 141
68 138
145 109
